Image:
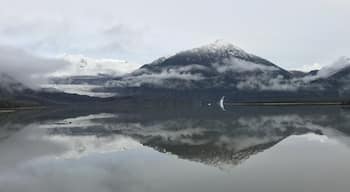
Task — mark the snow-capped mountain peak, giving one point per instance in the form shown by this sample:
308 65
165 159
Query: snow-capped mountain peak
218 48
221 45
218 65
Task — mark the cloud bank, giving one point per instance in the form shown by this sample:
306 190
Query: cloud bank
119 29
27 68
229 73
80 65
35 71
239 66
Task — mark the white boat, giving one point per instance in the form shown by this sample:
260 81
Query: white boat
221 103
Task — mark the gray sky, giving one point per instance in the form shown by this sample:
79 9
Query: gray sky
290 33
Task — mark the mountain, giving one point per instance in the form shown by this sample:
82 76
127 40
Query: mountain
9 88
338 74
333 78
298 74
339 69
82 74
215 66
202 74
211 71
9 85
15 94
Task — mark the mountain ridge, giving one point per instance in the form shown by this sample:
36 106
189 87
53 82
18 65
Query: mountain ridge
214 65
218 69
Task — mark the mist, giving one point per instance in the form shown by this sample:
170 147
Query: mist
29 69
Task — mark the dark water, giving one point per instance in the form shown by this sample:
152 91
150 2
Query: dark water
246 149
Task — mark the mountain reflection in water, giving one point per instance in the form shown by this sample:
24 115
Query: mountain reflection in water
57 140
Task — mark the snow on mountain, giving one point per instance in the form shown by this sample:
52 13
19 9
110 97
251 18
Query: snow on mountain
216 65
85 66
84 74
335 71
309 67
339 65
219 48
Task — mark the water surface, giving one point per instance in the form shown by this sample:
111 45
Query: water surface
263 149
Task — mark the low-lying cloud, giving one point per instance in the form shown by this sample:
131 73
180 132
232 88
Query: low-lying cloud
27 68
239 66
160 79
35 71
243 75
81 65
340 64
268 84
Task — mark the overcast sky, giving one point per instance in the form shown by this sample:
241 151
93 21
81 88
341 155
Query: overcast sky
292 34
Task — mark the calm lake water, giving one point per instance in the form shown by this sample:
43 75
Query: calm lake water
245 149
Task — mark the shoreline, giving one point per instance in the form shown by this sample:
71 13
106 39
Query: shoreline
7 110
285 104
13 109
281 104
